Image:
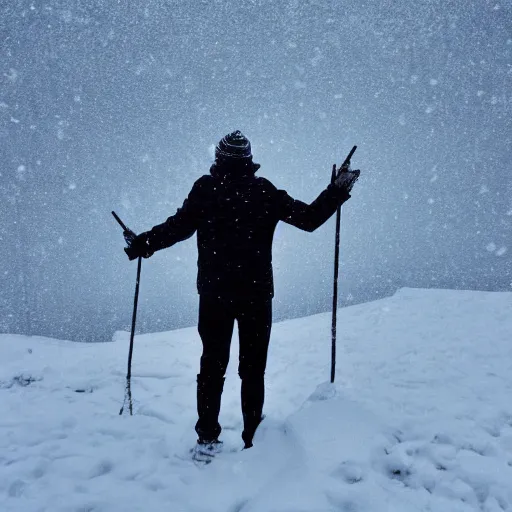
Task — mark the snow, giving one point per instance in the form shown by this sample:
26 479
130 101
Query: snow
419 419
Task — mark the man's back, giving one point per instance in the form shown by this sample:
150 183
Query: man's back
236 223
235 215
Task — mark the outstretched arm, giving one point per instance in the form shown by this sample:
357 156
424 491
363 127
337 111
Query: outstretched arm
178 227
311 216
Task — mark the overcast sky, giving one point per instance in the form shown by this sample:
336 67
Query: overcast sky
116 106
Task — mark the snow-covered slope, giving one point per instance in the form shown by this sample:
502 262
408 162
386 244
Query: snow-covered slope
420 418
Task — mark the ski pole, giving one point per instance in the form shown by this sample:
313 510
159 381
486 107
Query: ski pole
128 388
336 270
121 223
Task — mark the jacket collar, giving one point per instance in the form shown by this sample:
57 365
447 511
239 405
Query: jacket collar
233 170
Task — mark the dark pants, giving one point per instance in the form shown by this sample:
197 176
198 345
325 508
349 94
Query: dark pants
216 322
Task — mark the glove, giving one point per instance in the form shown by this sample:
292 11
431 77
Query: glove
137 245
347 178
129 237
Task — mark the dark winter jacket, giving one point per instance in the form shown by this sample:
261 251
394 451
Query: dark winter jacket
235 214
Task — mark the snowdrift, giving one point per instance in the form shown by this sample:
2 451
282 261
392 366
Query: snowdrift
420 417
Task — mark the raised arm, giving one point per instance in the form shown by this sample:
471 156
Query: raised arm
311 216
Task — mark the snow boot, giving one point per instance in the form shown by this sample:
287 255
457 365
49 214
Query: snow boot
250 427
205 450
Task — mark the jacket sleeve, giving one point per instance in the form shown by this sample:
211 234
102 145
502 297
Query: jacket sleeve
178 227
310 216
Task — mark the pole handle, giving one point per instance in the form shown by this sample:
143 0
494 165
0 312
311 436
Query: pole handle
347 160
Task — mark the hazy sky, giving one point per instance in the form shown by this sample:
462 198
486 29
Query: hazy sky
116 106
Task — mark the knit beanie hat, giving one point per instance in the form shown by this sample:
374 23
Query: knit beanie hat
234 145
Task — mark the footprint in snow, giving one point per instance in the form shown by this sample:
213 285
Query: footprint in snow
348 471
239 506
102 468
16 489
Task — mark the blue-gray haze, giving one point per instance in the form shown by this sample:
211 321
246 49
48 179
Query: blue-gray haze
116 105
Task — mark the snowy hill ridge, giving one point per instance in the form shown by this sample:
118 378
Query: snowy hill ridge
420 417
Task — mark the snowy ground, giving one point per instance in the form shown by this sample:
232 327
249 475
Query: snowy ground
420 419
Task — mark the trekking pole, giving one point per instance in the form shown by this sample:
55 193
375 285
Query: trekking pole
336 268
128 388
120 222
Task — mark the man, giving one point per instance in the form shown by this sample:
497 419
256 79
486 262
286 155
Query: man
235 214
